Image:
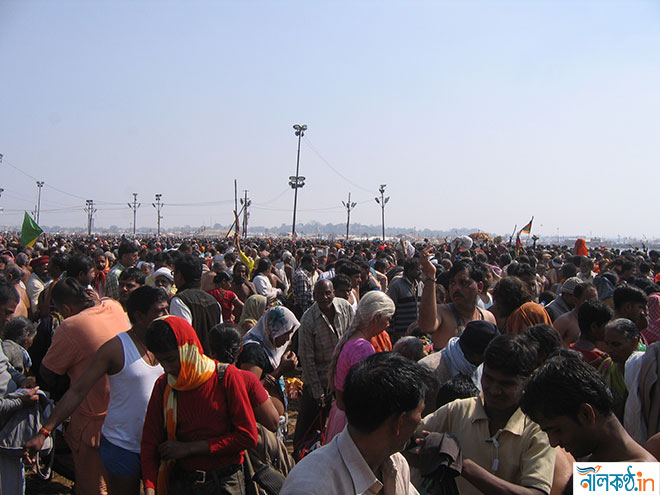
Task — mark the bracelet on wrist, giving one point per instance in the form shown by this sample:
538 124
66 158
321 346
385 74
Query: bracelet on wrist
45 432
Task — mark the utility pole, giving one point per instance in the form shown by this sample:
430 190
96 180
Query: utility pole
349 206
158 205
90 210
40 184
246 204
297 181
382 201
134 206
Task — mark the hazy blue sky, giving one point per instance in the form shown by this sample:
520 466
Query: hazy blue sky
474 113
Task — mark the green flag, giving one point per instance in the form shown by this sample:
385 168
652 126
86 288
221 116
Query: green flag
30 231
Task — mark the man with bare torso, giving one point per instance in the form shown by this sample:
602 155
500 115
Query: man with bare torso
448 320
571 403
567 324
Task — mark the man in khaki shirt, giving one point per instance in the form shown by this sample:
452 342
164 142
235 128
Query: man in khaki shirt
504 450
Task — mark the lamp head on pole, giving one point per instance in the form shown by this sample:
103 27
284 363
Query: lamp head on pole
300 129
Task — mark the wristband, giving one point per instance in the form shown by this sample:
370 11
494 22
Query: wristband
428 279
45 432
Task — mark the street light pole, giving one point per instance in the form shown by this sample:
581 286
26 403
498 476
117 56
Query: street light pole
382 201
134 206
297 181
158 205
90 210
40 184
349 206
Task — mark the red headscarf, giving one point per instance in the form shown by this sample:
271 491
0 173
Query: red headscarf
196 369
581 248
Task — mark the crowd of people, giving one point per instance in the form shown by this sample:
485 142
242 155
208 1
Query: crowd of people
171 365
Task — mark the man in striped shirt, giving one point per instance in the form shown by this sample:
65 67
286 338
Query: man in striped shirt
405 292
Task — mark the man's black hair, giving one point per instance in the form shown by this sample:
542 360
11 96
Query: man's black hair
225 342
593 311
568 270
126 248
511 355
475 272
189 267
521 270
163 258
60 260
380 266
142 298
411 264
221 277
160 337
459 387
381 386
19 329
544 339
509 294
627 266
79 264
562 385
307 258
347 268
628 294
580 289
134 274
70 291
342 281
263 265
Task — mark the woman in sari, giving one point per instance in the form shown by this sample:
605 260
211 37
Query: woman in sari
373 315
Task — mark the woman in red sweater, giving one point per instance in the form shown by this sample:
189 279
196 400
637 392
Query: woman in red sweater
197 426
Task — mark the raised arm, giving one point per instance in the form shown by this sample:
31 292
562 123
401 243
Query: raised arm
428 320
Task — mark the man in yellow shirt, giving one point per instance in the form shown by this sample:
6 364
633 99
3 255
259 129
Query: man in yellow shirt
504 450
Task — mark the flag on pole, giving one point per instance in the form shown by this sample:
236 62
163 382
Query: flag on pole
527 229
30 231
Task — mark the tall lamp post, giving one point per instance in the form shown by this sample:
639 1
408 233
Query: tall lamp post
349 206
297 181
40 184
382 201
158 205
134 206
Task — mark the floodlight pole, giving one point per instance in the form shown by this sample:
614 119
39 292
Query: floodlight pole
297 181
382 201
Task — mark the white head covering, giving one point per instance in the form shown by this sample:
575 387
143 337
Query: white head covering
275 322
163 271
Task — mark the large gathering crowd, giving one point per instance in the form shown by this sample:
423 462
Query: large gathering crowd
171 366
